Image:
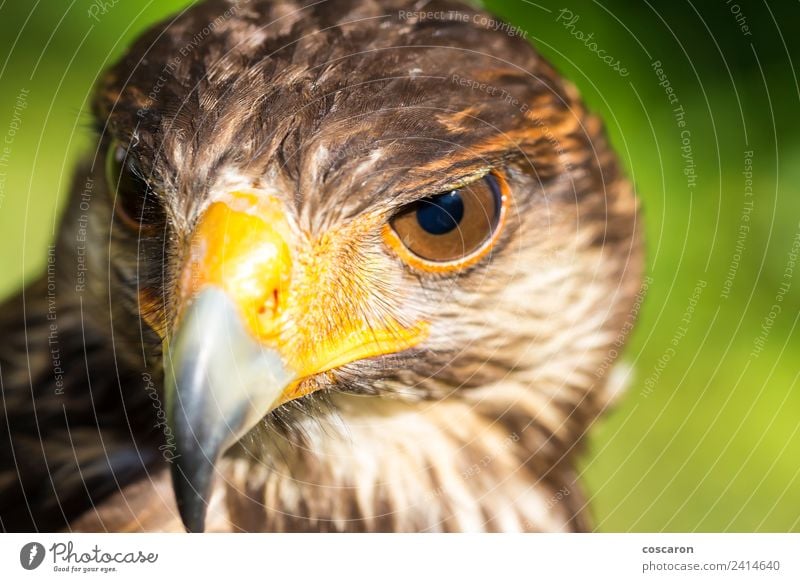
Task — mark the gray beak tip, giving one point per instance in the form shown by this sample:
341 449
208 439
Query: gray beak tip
219 382
191 493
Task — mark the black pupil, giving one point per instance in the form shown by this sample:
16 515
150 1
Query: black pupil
442 213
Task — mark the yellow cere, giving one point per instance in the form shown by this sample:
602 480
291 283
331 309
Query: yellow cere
295 295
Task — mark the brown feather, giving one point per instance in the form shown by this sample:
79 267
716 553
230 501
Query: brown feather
347 108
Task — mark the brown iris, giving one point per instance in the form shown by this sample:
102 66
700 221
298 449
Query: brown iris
449 228
135 202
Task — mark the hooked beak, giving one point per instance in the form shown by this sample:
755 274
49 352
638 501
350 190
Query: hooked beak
256 320
219 383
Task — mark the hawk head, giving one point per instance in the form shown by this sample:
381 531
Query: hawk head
360 222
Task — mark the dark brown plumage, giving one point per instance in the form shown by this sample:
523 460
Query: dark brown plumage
347 111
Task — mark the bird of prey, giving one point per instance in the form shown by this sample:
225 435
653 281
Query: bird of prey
344 265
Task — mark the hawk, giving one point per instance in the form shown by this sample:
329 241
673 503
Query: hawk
350 265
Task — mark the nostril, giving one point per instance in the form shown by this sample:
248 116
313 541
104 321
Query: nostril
270 305
274 302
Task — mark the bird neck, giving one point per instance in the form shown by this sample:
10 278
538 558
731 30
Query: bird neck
378 464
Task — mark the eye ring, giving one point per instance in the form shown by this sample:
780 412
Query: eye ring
400 232
134 201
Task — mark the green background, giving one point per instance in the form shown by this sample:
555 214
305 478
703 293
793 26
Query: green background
714 445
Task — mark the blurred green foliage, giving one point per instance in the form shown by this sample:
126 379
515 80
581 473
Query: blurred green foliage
706 438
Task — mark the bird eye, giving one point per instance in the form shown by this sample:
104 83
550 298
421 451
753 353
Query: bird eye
135 202
452 229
